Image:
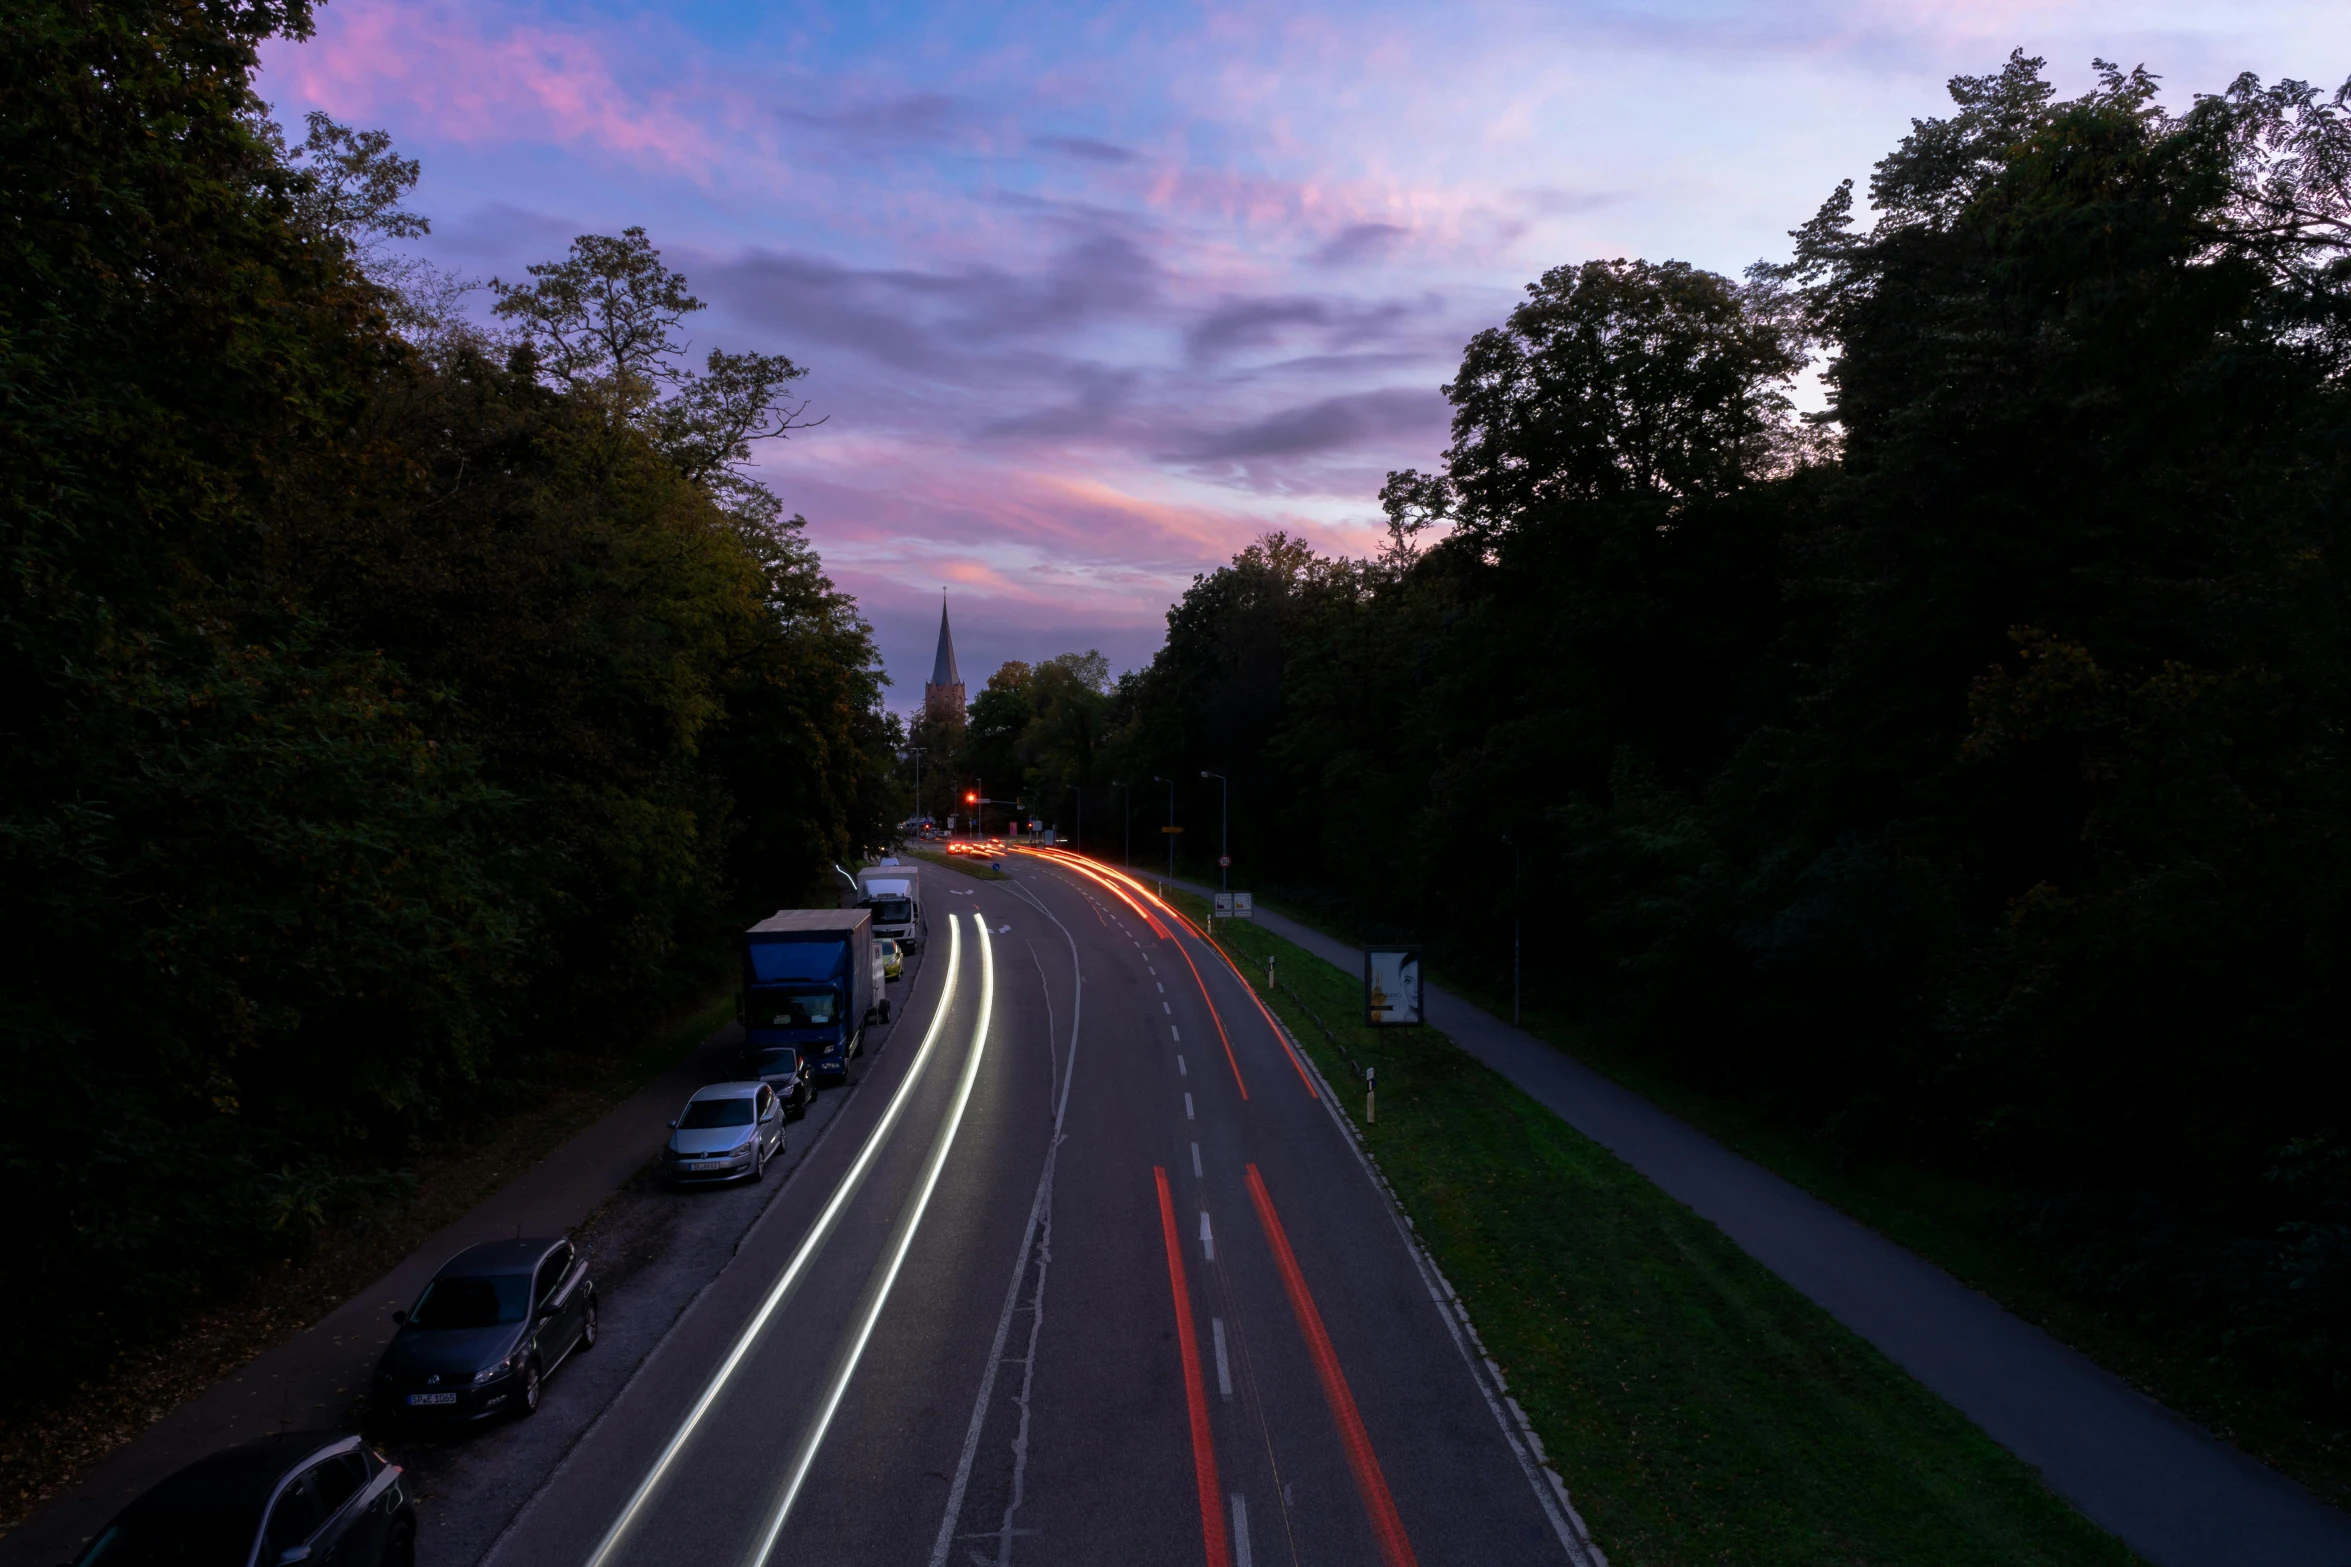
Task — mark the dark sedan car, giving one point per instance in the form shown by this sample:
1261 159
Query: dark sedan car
780 1068
303 1496
487 1332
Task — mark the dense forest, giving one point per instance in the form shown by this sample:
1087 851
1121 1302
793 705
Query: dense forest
391 704
1957 774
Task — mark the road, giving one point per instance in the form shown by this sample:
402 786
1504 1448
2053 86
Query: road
1087 1271
2168 1489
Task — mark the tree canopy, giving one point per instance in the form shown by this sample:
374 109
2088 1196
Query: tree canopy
1956 774
390 707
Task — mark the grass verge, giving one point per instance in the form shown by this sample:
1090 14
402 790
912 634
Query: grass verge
44 1447
965 863
1979 1232
1701 1410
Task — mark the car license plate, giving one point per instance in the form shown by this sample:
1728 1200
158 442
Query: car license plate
415 1399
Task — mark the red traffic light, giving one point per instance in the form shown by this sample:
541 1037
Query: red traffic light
971 797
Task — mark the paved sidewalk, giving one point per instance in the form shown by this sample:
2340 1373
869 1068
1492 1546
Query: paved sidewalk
2169 1490
314 1379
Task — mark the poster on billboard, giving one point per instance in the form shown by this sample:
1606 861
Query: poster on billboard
1391 986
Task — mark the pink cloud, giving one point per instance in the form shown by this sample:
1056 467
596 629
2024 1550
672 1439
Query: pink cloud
471 82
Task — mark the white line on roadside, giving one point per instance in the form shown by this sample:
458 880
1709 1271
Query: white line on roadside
1180 1072
1164 1007
1224 1366
912 1223
1207 1238
1187 1107
1240 1530
792 1270
1196 1162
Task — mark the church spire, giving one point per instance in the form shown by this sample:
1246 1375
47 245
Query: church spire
942 694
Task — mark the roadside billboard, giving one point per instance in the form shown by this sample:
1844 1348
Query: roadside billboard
1391 986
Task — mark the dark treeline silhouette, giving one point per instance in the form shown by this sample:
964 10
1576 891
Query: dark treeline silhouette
389 708
1958 777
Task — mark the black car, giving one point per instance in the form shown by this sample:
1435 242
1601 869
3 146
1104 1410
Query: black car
487 1332
302 1496
780 1068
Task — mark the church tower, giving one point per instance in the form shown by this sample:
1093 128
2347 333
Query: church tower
942 694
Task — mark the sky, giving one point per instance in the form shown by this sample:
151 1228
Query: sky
1092 296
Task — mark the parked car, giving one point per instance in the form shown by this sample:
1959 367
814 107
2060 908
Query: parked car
780 1068
487 1332
317 1496
727 1132
893 958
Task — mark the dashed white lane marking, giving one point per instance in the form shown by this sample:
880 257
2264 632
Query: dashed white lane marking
1207 1238
1196 1162
1224 1366
1187 1107
1175 1033
1240 1530
1162 988
1180 1072
1164 1007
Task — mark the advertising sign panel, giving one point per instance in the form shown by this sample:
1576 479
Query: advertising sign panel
1391 986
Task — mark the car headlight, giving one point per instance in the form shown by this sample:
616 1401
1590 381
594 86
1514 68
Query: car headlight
491 1373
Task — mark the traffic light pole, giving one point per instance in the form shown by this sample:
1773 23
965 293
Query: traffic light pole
1171 827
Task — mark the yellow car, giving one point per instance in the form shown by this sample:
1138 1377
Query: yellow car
893 958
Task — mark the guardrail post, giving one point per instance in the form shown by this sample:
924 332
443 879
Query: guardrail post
1371 1083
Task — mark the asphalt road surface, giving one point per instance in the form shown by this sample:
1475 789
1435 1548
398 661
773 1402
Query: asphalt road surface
1087 1271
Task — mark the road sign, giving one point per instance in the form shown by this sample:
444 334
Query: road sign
1391 986
1235 906
1224 860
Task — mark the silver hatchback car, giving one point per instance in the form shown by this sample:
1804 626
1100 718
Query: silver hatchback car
728 1133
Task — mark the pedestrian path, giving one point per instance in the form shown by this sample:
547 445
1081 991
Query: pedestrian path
2169 1490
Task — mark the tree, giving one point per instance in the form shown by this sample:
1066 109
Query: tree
1614 380
604 322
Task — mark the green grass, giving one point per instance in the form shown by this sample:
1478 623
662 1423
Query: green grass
1700 1409
1969 1228
961 862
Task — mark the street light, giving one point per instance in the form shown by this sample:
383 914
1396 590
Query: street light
917 750
1506 838
1224 846
1171 836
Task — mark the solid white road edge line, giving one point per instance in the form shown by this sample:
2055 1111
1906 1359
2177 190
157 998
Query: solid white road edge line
945 1144
793 1269
1549 1486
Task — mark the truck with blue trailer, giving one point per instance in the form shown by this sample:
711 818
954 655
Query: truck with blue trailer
808 981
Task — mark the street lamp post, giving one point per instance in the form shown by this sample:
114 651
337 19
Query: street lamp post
1130 821
1224 841
1506 838
1171 837
917 750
